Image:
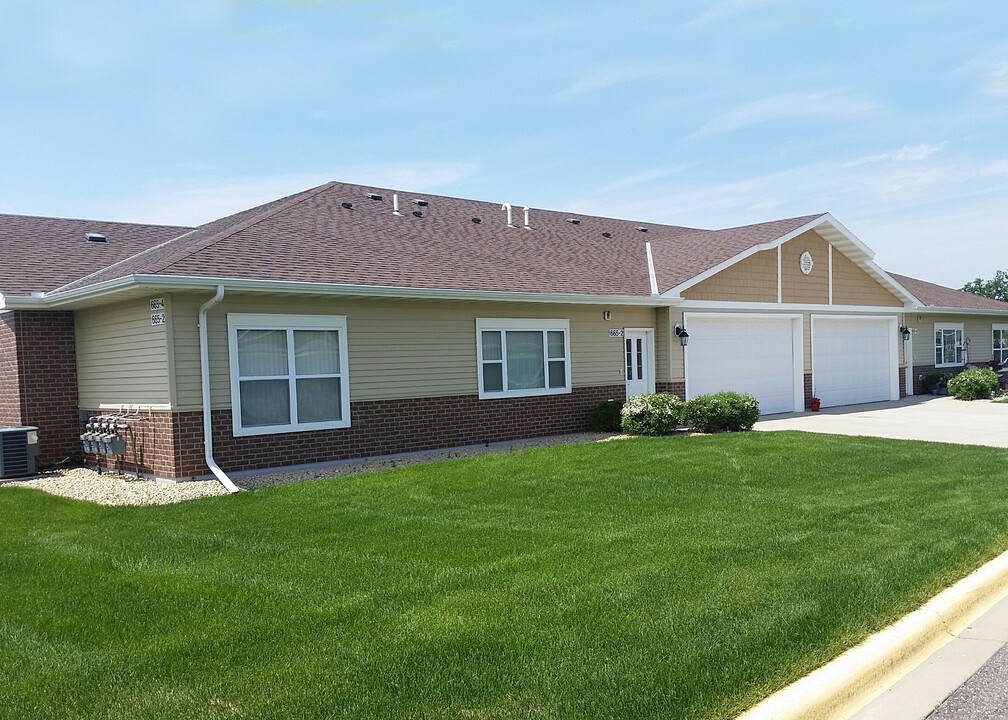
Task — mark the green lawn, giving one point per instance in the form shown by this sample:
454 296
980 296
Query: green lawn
684 577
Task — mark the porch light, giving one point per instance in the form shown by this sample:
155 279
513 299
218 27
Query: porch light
905 331
683 336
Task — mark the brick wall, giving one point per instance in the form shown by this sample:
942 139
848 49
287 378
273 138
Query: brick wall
10 383
676 387
38 379
170 445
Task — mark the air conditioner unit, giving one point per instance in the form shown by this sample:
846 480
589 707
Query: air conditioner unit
19 452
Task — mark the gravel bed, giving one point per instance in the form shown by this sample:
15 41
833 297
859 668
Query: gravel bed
112 489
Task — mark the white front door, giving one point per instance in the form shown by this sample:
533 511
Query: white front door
637 357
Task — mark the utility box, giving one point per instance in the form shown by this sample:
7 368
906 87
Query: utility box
19 452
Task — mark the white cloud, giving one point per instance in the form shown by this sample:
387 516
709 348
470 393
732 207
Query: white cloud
999 167
907 153
728 9
193 202
613 75
827 104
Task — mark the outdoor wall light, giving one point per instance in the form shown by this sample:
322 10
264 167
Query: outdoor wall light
905 331
683 336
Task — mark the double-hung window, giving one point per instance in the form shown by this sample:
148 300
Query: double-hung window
1000 338
948 344
288 373
518 357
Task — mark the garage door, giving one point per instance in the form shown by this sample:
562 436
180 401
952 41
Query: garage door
854 360
756 355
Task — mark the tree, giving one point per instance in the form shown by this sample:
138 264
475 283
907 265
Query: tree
996 288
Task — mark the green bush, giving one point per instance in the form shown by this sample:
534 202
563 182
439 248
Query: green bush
652 414
932 381
605 416
973 384
722 411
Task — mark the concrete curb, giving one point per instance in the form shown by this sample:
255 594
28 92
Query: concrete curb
841 687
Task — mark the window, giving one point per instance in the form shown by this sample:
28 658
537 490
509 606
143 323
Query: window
523 357
288 373
948 344
1000 333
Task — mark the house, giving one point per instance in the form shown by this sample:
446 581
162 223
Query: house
350 321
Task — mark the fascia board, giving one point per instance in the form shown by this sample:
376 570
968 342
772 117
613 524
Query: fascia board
930 310
175 282
884 276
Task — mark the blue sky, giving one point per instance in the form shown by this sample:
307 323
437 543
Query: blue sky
892 116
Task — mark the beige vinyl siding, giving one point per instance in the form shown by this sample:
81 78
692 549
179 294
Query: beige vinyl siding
400 348
677 356
662 347
796 286
853 286
976 328
121 358
753 279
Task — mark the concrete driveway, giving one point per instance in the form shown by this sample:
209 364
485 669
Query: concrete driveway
920 417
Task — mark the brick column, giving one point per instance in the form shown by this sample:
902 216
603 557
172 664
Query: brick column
39 379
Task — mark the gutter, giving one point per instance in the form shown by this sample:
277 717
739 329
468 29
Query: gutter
71 298
205 384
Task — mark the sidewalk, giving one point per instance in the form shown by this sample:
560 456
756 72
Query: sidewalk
929 686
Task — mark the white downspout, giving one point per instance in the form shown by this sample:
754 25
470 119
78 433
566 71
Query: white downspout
205 382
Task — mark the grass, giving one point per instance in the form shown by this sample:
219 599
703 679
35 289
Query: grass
683 577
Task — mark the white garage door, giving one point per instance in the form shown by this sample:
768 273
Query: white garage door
759 356
854 360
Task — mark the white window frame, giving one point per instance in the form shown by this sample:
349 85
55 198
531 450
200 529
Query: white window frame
290 323
1003 328
529 325
960 346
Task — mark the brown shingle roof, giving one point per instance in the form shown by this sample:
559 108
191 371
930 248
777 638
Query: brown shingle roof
945 297
41 254
312 237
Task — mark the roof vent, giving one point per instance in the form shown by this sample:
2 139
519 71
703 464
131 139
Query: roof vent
373 196
477 221
573 221
347 205
607 234
421 203
417 213
96 238
641 229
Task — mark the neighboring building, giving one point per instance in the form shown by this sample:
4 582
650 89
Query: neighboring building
348 321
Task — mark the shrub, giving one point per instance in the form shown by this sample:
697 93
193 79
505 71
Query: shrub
605 416
722 411
652 414
932 381
973 383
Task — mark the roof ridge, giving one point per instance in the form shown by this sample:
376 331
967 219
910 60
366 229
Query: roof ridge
181 254
293 200
120 262
94 220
